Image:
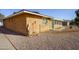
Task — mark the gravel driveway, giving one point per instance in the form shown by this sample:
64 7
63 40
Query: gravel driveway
44 41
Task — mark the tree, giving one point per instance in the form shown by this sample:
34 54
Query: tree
77 18
77 13
77 21
72 22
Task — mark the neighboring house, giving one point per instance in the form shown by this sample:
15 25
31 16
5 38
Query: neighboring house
59 24
1 22
28 23
66 23
1 19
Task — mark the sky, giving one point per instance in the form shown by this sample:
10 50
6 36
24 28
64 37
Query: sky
67 14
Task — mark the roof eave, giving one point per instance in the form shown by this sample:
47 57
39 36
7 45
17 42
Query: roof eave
29 13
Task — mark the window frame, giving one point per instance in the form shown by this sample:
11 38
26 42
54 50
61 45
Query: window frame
45 20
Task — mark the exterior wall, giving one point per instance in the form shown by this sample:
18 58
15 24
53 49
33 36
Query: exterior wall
68 24
17 24
57 25
1 22
27 24
45 26
33 24
36 24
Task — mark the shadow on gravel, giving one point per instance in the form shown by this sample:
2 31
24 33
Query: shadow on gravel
4 30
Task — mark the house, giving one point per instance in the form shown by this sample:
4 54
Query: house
66 23
1 22
59 24
28 22
1 19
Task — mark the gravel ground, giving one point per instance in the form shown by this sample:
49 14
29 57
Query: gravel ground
44 41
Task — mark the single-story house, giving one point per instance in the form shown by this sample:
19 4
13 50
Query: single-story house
1 22
28 22
66 23
31 22
59 24
1 19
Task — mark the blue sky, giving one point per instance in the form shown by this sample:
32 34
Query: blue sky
67 14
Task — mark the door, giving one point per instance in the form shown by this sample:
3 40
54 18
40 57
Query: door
35 27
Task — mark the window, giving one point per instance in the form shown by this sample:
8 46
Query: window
45 20
54 22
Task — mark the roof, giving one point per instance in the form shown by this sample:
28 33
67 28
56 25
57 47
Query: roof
66 20
62 20
57 19
29 12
